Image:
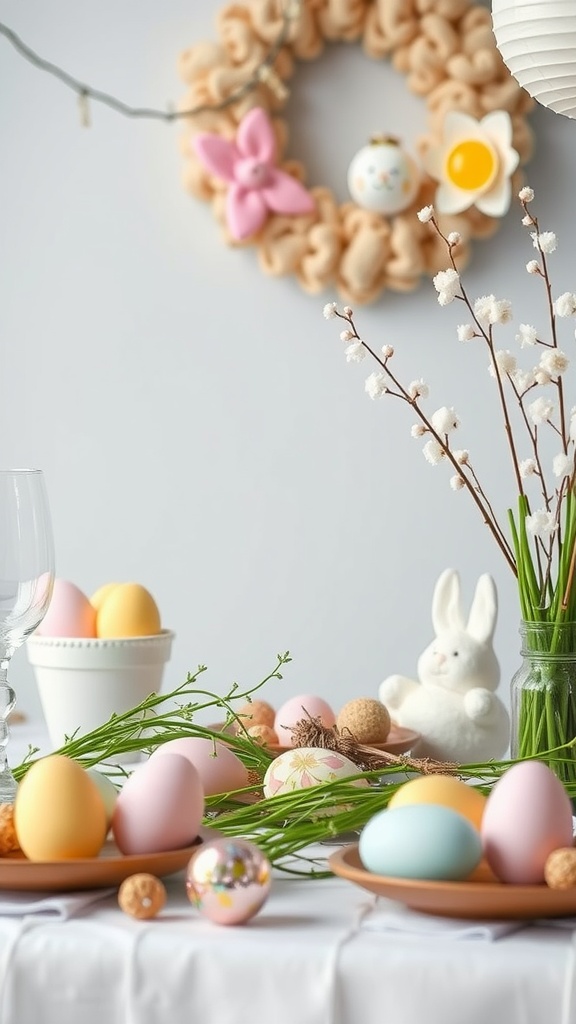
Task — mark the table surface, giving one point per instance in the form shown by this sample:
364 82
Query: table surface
306 958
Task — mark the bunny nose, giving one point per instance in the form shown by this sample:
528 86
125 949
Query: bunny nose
440 659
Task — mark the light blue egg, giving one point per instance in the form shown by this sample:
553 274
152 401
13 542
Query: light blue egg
426 841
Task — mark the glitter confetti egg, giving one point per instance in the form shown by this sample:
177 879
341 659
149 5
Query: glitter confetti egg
228 880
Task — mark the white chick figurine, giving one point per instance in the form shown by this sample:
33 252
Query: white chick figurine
454 707
382 177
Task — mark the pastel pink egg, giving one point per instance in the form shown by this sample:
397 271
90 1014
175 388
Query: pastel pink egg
160 807
69 613
219 768
298 708
528 814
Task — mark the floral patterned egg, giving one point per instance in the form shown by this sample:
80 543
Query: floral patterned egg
306 766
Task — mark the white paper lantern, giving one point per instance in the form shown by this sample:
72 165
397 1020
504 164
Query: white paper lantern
537 40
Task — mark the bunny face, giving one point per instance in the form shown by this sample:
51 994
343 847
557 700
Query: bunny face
457 662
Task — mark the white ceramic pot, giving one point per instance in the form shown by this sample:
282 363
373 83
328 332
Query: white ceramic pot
81 683
537 41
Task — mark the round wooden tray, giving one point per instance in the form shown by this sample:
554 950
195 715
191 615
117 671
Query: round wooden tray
470 899
110 868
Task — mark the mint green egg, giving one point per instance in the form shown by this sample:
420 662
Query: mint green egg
420 841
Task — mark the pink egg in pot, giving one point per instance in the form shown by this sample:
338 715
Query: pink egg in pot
295 710
219 768
69 614
528 814
160 806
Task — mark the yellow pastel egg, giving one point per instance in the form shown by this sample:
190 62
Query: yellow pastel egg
444 790
128 610
100 595
59 813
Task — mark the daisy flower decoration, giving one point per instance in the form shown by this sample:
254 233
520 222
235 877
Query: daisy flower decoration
473 163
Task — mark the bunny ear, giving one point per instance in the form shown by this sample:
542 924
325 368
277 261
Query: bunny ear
446 610
484 610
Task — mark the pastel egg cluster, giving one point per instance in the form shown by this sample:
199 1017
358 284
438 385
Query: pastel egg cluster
115 610
438 827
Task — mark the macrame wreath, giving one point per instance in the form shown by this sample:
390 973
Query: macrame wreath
467 164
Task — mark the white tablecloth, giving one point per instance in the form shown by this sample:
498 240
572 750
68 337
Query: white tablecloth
306 958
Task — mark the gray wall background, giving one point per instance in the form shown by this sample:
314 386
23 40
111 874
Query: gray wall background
200 430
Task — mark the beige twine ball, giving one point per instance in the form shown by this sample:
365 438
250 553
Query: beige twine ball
263 734
366 719
255 712
8 838
560 868
142 896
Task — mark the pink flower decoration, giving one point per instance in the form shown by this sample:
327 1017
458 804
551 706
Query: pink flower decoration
256 186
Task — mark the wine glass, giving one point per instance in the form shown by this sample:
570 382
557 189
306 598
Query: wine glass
26 582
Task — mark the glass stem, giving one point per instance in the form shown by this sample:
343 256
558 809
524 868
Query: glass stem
7 702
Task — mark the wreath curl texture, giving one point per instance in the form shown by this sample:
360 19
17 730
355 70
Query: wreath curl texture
447 52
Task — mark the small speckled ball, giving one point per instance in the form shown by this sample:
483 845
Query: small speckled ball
8 838
560 868
263 734
366 719
228 880
142 896
255 712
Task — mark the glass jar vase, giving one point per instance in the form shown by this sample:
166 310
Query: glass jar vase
543 696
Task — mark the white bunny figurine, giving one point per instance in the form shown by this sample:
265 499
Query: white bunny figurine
454 707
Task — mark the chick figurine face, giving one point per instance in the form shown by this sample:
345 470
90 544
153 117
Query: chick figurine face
382 177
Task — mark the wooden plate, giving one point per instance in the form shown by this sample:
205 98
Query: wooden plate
110 868
480 899
398 742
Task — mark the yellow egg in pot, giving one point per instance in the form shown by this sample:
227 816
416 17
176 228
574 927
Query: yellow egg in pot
128 609
59 813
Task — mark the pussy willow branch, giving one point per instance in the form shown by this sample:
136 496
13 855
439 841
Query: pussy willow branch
476 493
290 13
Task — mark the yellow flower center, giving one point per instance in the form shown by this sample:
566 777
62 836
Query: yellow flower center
471 164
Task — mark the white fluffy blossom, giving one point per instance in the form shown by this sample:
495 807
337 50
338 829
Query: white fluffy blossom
572 427
355 352
387 351
554 362
444 420
523 380
418 430
527 220
462 456
526 194
348 311
540 411
375 385
541 523
527 335
545 241
541 376
418 389
563 464
447 284
565 304
433 452
489 309
528 467
346 335
456 482
533 267
330 310
454 238
425 214
505 361
465 332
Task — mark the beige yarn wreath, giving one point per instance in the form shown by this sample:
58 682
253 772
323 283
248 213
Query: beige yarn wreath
447 51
